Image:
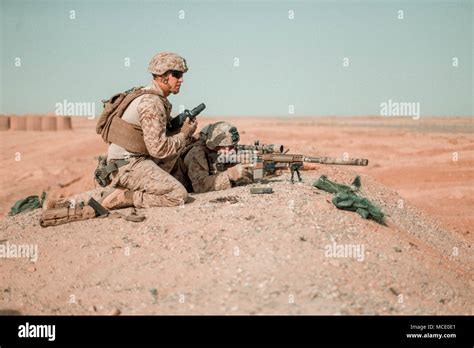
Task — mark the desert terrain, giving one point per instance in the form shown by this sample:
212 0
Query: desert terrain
232 252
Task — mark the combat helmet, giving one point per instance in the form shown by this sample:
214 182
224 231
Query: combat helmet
165 61
220 134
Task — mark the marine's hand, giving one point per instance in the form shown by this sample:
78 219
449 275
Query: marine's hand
240 175
189 127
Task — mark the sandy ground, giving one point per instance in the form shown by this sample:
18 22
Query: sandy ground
255 253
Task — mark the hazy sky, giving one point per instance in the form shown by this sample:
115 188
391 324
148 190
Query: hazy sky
290 54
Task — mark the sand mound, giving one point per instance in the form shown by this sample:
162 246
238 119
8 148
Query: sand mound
64 122
48 123
4 123
18 123
234 252
35 123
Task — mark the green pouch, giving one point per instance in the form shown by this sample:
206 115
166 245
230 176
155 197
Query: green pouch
28 203
347 199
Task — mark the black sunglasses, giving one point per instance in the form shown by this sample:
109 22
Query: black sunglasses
177 74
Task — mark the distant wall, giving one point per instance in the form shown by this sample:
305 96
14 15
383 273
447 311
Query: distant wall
35 123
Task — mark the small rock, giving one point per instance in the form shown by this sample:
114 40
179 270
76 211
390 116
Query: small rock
116 311
397 249
154 294
92 308
32 269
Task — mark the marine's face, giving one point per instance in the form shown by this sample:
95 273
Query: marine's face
175 79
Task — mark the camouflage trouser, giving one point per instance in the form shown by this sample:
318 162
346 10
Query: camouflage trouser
152 186
179 173
83 197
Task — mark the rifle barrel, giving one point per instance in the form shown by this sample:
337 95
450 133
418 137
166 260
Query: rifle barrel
198 109
336 160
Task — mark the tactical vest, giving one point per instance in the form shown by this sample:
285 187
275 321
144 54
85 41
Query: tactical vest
115 130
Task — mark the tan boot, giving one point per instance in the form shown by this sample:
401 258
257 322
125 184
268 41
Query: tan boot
118 199
52 203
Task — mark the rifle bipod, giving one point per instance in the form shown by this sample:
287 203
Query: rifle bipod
295 168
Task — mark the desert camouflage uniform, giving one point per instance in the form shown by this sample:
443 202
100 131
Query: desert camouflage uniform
198 164
82 197
149 176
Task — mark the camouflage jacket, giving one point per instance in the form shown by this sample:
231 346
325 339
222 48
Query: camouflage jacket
153 114
198 164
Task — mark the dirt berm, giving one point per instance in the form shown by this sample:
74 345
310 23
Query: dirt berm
236 252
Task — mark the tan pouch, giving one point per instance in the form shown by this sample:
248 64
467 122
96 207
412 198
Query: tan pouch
59 216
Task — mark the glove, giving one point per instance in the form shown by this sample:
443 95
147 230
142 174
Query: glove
189 127
240 175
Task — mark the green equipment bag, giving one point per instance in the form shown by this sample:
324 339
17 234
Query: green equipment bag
28 203
362 206
323 183
347 199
